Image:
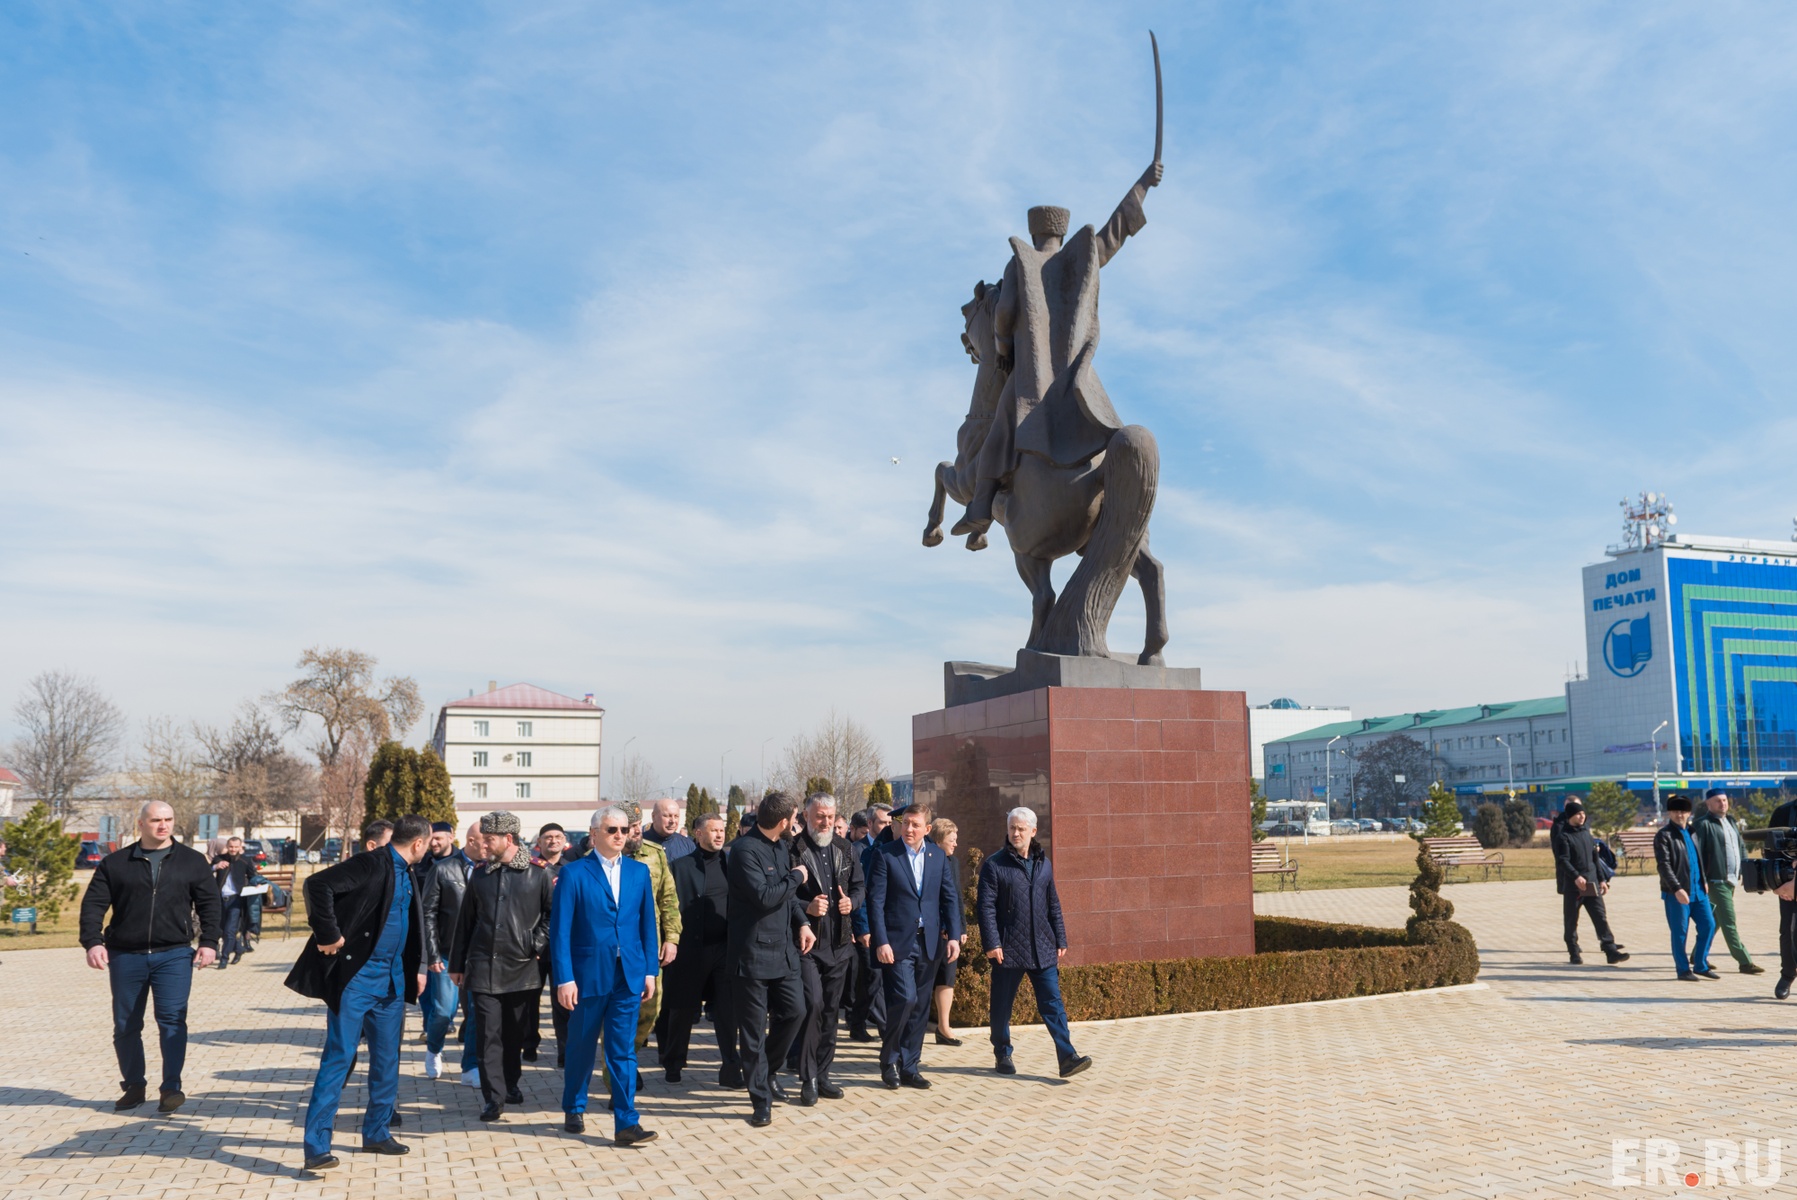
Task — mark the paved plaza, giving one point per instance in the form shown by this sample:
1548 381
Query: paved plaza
1513 1087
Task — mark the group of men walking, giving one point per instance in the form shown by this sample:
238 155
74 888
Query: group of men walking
1699 859
769 934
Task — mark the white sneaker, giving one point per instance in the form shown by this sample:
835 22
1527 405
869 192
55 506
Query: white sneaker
471 1077
433 1065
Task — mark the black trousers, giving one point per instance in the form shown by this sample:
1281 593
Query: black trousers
1571 902
869 1004
696 973
768 1013
1787 939
824 980
503 1022
534 1038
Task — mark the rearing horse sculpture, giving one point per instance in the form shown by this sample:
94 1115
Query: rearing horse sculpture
1097 508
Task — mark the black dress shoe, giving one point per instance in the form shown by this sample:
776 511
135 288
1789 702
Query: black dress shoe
947 1039
671 1074
761 1117
575 1123
731 1077
514 1096
561 1058
807 1094
1752 969
860 1035
1615 956
1578 960
1004 1066
914 1081
1688 976
1783 988
636 1135
1707 973
387 1147
890 1077
1073 1066
530 1055
491 1112
776 1091
134 1096
828 1090
321 1162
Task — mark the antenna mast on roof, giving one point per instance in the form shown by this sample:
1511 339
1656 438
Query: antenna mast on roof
1647 521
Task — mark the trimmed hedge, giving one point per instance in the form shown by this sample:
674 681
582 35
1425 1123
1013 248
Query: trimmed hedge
1294 961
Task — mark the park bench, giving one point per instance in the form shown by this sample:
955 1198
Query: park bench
1634 846
1269 859
1453 853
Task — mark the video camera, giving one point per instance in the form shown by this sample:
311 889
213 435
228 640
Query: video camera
1778 867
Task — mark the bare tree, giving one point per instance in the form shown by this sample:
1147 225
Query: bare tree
72 732
254 775
340 785
637 780
840 749
168 769
340 691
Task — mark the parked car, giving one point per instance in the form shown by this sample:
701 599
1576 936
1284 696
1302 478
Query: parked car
1286 829
257 852
1344 825
331 851
1368 825
89 855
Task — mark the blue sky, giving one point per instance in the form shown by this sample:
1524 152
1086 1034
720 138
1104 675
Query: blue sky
572 343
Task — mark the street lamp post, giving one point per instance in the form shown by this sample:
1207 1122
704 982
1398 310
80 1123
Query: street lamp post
1654 744
614 765
1328 783
1509 769
721 758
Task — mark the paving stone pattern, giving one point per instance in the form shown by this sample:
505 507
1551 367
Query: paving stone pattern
1511 1088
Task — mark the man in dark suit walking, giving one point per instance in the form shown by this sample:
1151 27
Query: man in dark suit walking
365 960
702 881
914 916
830 896
760 956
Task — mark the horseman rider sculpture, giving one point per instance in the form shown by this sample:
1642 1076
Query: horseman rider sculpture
1046 332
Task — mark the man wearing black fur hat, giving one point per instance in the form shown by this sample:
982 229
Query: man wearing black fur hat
1578 877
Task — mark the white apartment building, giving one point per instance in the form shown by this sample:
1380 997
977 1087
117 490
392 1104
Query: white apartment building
1280 720
524 749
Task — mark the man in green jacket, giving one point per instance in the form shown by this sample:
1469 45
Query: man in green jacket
1722 850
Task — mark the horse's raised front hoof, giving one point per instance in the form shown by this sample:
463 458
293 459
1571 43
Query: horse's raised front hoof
933 536
977 542
1151 660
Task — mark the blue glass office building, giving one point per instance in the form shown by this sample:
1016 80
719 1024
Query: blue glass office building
1695 638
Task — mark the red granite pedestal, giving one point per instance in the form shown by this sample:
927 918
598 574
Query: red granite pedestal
1142 801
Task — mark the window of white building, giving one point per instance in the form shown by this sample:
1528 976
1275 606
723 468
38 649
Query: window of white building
523 728
480 791
480 729
524 758
480 758
521 791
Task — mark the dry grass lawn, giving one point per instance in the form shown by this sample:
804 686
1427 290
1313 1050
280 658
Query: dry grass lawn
1372 860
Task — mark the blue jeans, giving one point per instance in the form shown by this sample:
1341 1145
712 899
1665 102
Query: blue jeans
1678 918
907 985
614 1016
470 1033
237 928
167 975
439 1003
1046 984
373 1008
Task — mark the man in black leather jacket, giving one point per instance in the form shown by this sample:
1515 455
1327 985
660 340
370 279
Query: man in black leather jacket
502 928
442 895
831 893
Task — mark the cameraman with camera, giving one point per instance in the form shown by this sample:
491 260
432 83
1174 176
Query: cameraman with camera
1784 817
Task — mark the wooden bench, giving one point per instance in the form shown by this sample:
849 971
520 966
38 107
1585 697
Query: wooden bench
1452 853
1269 859
1634 846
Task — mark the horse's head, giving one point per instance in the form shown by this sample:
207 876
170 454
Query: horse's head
981 311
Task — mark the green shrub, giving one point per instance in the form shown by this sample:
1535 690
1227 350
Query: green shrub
1489 826
1441 815
1519 819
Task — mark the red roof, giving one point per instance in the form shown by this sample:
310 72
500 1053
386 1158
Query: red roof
523 695
8 777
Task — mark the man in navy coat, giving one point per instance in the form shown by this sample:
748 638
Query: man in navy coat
603 959
914 916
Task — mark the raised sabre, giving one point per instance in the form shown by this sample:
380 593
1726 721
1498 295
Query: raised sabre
1159 120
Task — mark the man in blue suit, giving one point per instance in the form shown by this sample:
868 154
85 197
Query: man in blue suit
603 960
911 909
